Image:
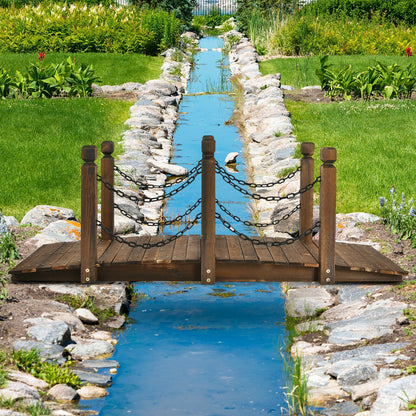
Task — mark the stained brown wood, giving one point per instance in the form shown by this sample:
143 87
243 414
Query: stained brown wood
180 261
306 198
221 248
107 195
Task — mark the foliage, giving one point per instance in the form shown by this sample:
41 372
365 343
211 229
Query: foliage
387 81
56 133
391 10
331 35
88 302
399 215
8 250
81 28
111 68
30 362
212 19
369 145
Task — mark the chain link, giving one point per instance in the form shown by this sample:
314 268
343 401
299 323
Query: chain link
232 178
258 242
146 246
142 185
175 220
134 198
257 224
290 195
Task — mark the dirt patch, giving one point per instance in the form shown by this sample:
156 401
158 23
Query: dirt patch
308 96
118 95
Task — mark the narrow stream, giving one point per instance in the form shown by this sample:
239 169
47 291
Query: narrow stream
194 350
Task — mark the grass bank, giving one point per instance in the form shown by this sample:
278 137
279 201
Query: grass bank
375 142
300 71
41 141
112 68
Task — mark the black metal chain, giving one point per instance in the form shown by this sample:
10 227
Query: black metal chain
290 195
175 220
142 185
258 242
232 178
146 246
134 198
257 224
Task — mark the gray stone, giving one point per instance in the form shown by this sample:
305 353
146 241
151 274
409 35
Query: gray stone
51 352
64 231
62 392
64 289
23 389
358 374
349 293
116 322
95 379
90 349
170 169
8 412
346 408
54 332
86 316
69 318
306 302
27 379
100 364
367 389
11 221
43 215
92 392
231 158
160 87
343 311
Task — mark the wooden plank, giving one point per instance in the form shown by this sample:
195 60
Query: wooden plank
179 252
314 249
165 253
276 252
193 251
249 253
108 256
136 255
124 253
30 263
55 258
356 276
150 256
72 260
221 248
234 248
297 254
263 252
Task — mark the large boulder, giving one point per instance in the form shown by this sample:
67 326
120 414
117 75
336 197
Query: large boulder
43 215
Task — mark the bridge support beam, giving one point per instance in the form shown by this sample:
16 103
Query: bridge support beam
208 211
89 201
107 195
306 199
328 205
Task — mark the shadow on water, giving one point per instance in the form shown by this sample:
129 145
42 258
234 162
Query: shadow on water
198 350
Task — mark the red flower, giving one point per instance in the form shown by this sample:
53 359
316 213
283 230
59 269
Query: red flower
409 51
41 56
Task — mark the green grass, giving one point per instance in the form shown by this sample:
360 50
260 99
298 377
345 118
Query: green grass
40 146
375 143
113 69
300 72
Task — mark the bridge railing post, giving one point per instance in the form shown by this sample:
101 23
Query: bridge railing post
328 197
208 211
89 201
107 195
306 199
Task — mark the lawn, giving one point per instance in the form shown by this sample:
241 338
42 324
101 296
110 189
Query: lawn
40 146
300 72
375 143
112 68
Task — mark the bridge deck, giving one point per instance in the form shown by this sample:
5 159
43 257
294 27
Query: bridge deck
236 260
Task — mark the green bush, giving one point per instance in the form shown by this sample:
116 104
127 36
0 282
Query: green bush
82 28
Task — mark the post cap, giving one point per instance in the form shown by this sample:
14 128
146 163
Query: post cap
89 153
328 154
208 145
307 148
107 147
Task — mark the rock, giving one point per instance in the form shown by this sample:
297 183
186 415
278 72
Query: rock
86 316
350 293
306 302
174 170
27 379
64 393
43 215
100 364
69 318
367 389
50 352
320 396
90 349
95 379
231 158
64 230
7 412
116 322
64 289
358 374
11 221
341 409
46 330
23 389
61 412
92 392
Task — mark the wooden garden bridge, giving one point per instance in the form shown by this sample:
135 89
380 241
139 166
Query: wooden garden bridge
207 257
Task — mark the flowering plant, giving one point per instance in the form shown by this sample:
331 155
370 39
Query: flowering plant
399 215
409 51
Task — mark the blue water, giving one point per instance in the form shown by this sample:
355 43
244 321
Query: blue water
187 351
